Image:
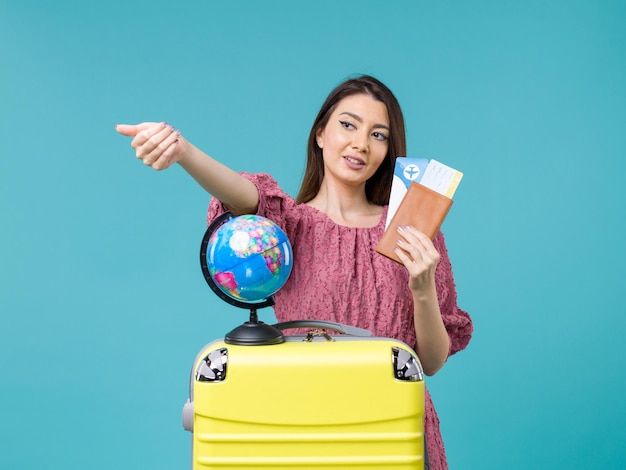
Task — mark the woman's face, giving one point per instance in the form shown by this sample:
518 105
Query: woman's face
355 140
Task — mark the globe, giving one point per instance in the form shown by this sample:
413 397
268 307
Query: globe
249 258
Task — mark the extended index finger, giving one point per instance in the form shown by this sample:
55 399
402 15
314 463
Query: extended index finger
132 130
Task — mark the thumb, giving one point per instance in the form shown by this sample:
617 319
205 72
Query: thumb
132 130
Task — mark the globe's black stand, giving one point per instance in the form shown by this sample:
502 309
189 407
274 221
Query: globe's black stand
252 332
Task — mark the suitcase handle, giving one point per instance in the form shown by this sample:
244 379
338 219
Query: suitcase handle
338 327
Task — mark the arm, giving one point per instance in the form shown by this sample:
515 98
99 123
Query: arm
159 145
419 256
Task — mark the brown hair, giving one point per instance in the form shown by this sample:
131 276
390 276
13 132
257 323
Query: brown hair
378 187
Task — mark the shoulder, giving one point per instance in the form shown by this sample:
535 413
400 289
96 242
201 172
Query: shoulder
265 183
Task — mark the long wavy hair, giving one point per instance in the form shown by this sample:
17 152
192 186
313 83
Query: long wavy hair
378 187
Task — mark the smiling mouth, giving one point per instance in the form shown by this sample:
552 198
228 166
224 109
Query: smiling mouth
354 160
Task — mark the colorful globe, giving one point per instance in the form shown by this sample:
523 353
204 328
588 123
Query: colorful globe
249 258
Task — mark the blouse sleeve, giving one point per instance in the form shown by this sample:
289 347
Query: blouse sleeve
458 322
274 203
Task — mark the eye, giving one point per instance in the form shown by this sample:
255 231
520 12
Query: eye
379 136
347 124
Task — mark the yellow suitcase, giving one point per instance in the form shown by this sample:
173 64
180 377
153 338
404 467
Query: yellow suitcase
313 401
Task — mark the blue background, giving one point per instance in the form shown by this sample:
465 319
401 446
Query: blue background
103 305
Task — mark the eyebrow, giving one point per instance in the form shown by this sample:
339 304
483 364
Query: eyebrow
358 118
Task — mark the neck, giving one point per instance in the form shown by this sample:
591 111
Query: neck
346 205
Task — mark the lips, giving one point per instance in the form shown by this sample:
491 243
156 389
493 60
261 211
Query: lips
354 162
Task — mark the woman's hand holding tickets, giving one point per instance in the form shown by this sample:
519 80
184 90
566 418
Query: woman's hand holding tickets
419 256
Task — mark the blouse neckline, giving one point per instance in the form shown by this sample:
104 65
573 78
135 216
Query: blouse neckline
323 215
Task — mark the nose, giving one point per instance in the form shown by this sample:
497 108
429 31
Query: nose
360 141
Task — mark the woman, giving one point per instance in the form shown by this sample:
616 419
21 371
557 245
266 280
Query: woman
334 226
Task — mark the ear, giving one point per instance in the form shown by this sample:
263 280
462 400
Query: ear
319 138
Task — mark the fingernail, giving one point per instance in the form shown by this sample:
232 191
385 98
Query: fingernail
177 132
400 228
